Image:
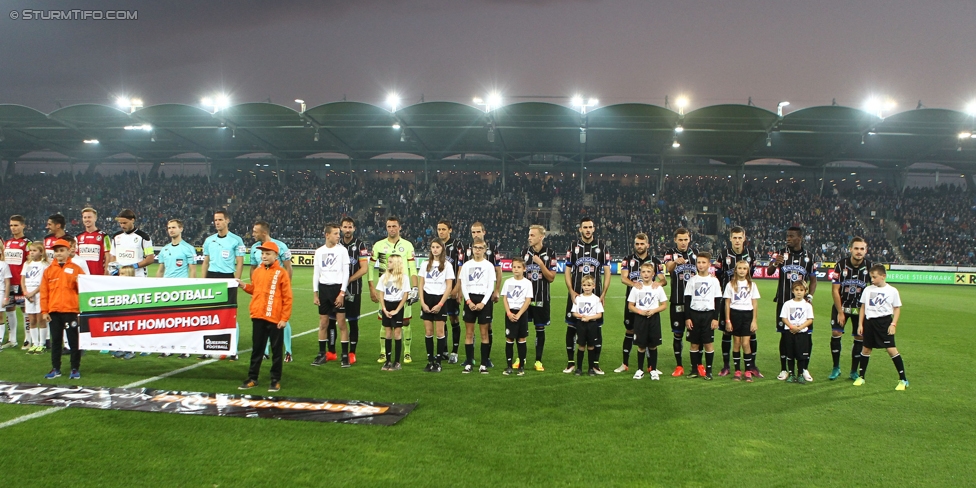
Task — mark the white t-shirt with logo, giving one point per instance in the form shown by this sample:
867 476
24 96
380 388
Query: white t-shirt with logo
703 291
517 292
435 280
587 305
796 313
741 295
392 291
880 301
647 297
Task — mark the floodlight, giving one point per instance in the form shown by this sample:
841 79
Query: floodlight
393 100
965 135
779 107
396 125
577 101
675 144
494 99
678 129
90 141
971 108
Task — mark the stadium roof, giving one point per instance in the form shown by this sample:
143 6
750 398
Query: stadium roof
733 134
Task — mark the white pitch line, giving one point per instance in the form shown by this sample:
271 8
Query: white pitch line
32 416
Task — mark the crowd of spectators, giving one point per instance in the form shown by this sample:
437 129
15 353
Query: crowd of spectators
934 226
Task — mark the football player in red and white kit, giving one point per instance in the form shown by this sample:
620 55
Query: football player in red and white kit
93 244
55 225
15 254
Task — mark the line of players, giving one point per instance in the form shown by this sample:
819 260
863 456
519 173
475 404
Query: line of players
338 294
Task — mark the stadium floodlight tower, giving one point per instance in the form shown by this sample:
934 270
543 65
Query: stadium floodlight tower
879 105
682 103
582 104
301 103
216 103
132 104
393 100
779 107
491 102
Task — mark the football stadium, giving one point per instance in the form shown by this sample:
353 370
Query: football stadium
429 276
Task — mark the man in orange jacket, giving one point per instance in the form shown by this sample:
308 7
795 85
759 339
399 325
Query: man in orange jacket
59 307
270 310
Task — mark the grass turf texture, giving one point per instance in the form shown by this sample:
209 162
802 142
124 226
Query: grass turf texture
543 429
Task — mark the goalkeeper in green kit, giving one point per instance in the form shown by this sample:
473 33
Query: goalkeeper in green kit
394 245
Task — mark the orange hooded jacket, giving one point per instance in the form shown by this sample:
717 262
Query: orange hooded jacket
59 288
271 290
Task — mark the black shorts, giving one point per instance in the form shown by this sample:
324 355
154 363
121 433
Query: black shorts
798 345
451 307
850 315
394 321
327 298
431 301
702 332
482 316
876 333
231 291
588 333
647 330
539 315
741 322
677 318
353 304
629 317
518 329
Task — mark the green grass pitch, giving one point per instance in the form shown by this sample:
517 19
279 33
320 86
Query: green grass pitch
543 429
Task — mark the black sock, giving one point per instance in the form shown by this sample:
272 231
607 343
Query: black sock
863 367
802 363
856 354
899 366
594 360
353 334
441 346
570 343
579 358
709 358
521 354
677 349
399 350
456 335
782 351
389 350
345 351
485 351
330 334
791 366
469 353
835 350
736 360
752 348
322 346
429 342
640 360
748 359
509 352
652 359
726 348
491 337
628 344
540 343
696 359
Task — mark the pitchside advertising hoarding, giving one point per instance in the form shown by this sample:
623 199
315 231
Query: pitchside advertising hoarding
177 315
932 275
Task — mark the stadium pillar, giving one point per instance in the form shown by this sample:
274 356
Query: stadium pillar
503 171
425 171
278 170
823 178
8 171
660 176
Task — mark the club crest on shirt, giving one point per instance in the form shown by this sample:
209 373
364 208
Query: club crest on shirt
585 309
392 290
796 314
329 261
645 301
742 293
877 299
515 292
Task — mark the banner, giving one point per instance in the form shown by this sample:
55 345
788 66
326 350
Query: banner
173 315
196 403
931 277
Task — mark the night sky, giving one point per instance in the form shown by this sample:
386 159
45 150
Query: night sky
618 51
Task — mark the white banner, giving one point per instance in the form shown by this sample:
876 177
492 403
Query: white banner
179 316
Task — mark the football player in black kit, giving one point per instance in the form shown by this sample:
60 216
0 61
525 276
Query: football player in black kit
630 276
850 277
540 269
586 256
680 262
724 270
794 264
455 252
